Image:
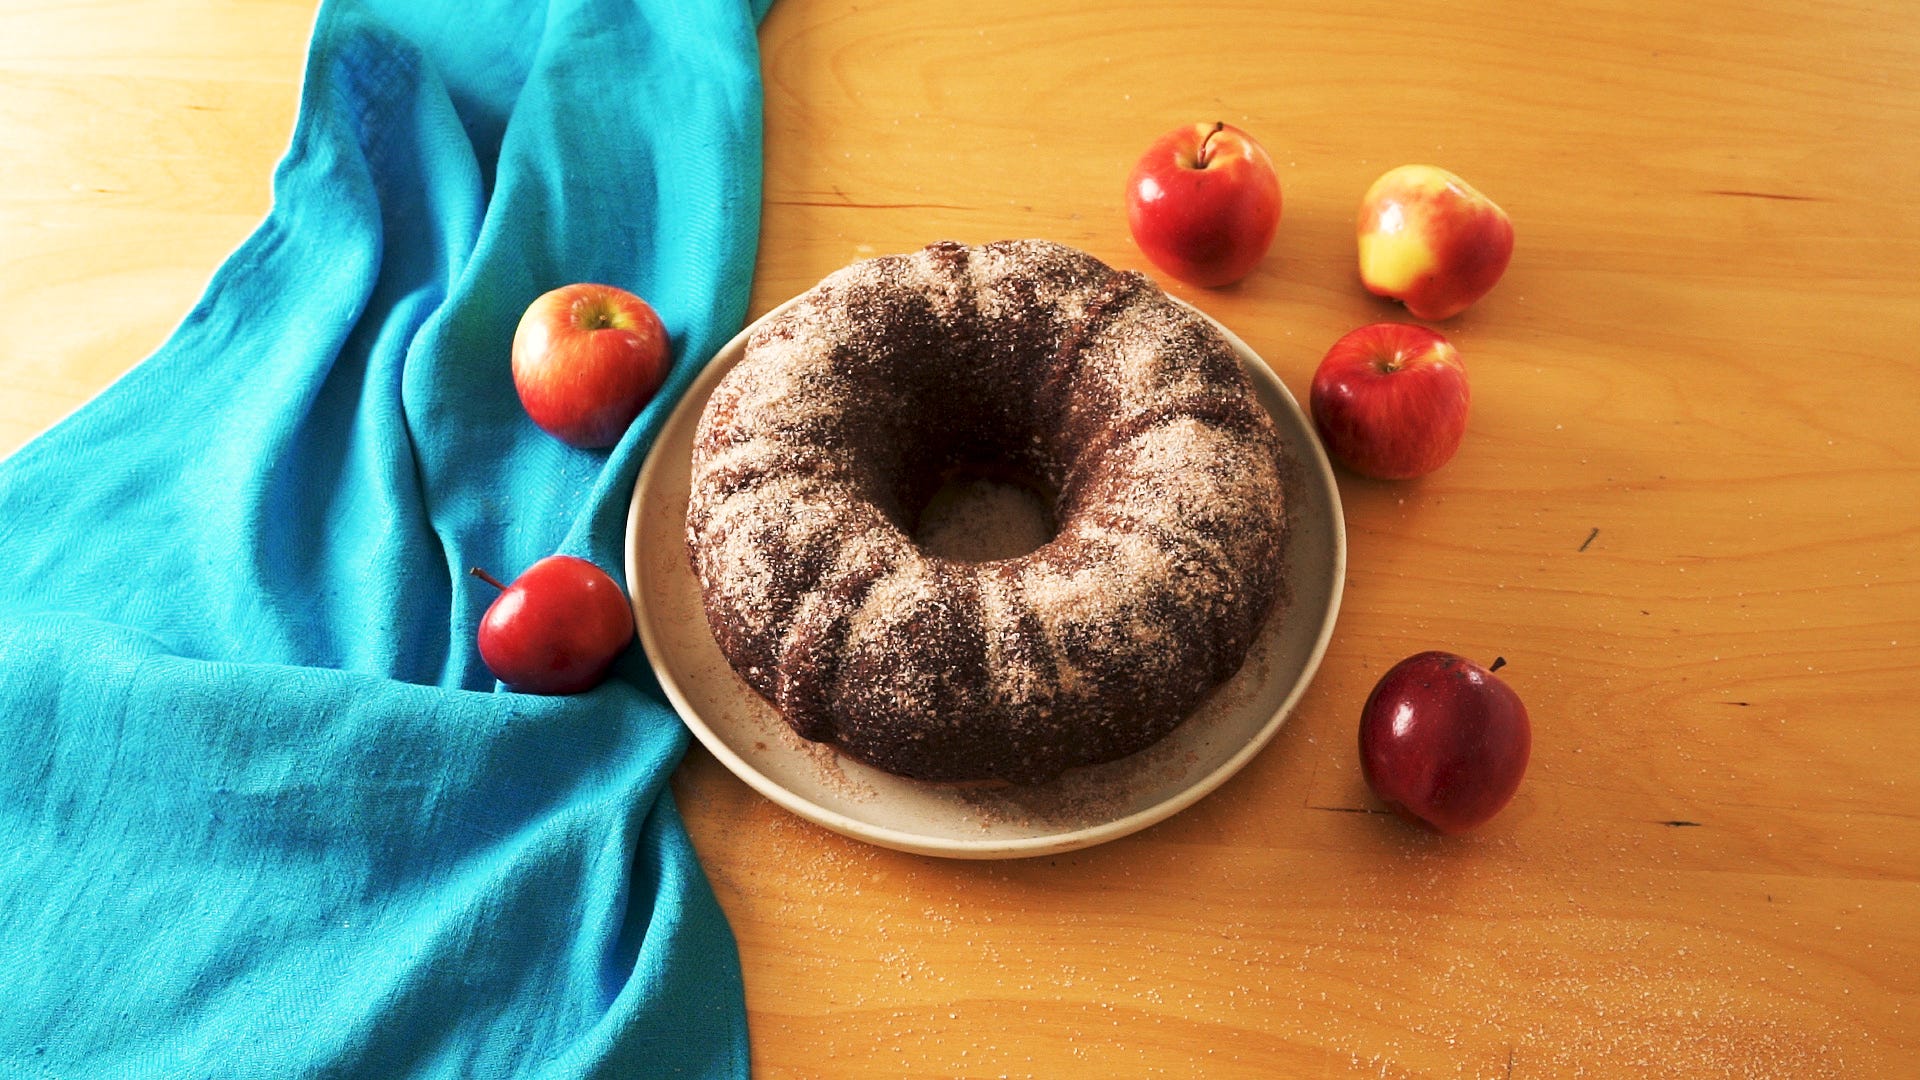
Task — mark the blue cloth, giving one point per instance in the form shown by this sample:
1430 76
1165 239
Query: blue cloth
263 811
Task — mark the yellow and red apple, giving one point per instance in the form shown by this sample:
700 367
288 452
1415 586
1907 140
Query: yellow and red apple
1431 241
1203 202
1390 400
586 359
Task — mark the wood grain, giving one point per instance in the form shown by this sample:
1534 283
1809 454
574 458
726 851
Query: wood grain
1687 513
136 145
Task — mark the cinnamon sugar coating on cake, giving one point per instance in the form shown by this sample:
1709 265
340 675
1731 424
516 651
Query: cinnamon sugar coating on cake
816 452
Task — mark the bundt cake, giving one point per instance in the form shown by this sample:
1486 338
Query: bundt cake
816 453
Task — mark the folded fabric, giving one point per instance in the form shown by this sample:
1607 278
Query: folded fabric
263 812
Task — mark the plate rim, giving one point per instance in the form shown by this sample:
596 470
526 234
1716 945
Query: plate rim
701 387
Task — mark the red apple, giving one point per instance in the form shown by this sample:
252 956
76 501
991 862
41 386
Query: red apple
1430 241
557 628
1443 741
1203 203
1390 400
586 360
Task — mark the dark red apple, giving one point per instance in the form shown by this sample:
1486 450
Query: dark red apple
1390 400
586 359
1203 203
557 628
1431 241
1443 741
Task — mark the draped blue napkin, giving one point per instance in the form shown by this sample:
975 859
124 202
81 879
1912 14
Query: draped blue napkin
263 812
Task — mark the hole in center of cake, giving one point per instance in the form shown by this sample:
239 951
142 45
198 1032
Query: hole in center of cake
980 513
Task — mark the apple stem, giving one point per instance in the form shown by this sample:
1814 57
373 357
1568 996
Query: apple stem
1205 153
592 313
486 577
1498 663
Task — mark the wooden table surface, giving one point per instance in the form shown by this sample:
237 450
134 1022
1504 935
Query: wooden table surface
1687 512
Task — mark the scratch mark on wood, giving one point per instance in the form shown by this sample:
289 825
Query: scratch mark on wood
1509 1062
1677 823
1777 196
1742 704
1350 809
1595 531
849 205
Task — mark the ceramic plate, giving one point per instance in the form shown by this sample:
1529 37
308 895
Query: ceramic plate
1083 807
